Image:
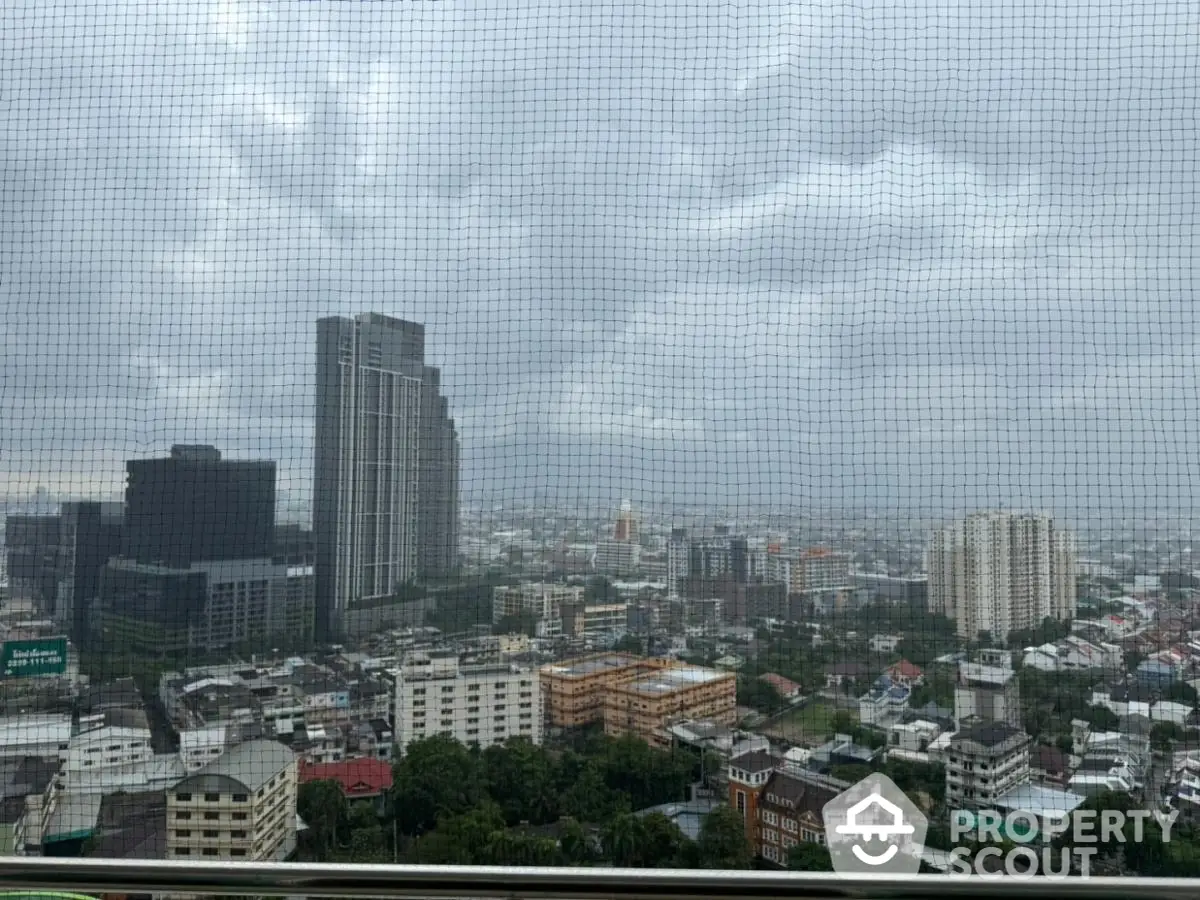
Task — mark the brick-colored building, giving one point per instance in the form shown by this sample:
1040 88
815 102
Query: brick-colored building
637 695
782 806
655 699
573 690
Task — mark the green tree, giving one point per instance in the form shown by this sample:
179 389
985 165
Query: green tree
841 722
1181 692
663 845
460 839
648 776
589 799
576 846
723 843
758 694
511 848
938 688
810 857
366 845
1101 718
630 643
438 776
1165 735
322 806
621 839
1048 632
521 778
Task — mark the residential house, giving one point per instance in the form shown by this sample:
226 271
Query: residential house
361 780
841 751
883 704
884 643
1048 765
788 689
841 675
1073 653
905 674
1111 761
912 737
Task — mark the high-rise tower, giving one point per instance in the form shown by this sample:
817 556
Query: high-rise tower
626 526
385 508
1001 571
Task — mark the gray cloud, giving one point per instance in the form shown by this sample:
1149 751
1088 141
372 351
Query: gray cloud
920 256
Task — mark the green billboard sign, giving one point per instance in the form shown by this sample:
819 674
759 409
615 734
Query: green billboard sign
27 659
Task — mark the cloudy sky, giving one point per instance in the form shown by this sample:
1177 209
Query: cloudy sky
915 255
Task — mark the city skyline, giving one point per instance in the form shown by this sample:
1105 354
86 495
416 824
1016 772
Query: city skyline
760 271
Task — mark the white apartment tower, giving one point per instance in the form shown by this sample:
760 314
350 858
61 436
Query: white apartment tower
1001 571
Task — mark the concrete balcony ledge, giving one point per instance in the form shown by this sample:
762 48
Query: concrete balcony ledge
96 877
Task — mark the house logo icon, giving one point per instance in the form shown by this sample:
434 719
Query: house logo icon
874 828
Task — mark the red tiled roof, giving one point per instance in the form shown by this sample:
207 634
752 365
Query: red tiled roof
905 669
781 684
357 777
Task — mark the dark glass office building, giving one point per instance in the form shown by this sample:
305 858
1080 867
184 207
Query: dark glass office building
195 506
147 606
90 535
32 546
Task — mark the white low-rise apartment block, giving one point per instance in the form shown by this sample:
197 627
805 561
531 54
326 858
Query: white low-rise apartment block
119 737
42 736
473 704
543 602
240 807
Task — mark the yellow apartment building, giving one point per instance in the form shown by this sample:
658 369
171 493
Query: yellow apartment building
632 694
649 703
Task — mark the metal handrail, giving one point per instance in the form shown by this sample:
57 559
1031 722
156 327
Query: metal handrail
509 883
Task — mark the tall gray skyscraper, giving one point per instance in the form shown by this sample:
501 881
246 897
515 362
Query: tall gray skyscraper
385 504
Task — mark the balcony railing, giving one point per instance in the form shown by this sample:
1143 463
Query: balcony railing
95 877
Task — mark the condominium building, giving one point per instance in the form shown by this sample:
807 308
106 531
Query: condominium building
818 569
647 705
617 558
635 695
242 806
582 619
625 528
385 505
983 763
574 690
541 602
208 605
999 572
474 704
693 561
